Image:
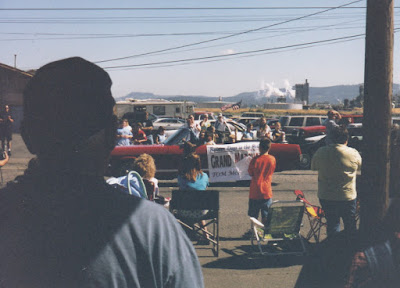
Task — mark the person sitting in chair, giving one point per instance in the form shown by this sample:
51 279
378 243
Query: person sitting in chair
192 178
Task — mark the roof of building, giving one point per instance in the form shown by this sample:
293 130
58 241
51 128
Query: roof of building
15 70
152 102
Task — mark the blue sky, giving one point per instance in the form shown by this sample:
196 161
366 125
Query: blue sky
40 36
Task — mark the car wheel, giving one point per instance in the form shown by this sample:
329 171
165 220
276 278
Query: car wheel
305 161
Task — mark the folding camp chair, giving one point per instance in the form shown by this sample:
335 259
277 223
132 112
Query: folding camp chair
283 227
315 215
199 200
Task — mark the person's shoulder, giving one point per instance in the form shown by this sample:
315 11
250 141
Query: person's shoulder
271 158
352 150
204 176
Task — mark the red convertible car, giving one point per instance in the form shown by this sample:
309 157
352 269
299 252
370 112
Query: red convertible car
168 156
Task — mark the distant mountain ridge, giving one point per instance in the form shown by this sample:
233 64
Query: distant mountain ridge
332 94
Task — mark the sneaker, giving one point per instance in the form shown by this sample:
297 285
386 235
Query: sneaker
260 232
268 237
9 152
290 236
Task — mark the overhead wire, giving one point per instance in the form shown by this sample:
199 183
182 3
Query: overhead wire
229 59
178 8
74 36
228 36
235 54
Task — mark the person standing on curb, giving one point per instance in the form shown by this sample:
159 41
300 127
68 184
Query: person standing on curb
331 124
261 169
337 167
6 133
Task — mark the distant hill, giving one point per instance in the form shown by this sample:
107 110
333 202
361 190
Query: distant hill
332 94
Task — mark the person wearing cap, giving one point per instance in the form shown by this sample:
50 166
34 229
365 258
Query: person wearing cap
62 225
221 126
331 125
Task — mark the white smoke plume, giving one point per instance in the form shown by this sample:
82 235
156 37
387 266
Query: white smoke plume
289 91
269 90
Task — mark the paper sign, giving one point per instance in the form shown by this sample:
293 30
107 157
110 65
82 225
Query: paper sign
229 162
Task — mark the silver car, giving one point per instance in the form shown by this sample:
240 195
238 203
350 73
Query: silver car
168 123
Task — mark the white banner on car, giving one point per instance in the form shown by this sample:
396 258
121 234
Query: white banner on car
229 162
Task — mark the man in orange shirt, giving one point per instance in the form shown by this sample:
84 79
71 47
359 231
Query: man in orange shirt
261 169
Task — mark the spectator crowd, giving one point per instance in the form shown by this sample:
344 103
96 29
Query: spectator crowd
200 133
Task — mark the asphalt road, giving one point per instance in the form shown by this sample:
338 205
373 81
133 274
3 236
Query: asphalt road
237 265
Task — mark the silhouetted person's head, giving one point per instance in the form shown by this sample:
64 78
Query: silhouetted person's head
340 135
265 145
68 111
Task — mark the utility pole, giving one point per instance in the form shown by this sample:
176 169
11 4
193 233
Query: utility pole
378 78
15 60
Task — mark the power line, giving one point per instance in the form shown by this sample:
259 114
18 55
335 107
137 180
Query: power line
241 55
235 54
72 36
181 8
228 36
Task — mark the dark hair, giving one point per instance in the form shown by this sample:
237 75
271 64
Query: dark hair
191 167
161 128
249 125
65 103
340 135
265 144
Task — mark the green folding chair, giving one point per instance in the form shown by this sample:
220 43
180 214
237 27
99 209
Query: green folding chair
281 234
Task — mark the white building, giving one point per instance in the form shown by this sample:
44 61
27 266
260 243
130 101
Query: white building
159 107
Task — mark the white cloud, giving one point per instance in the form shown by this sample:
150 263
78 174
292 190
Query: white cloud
228 51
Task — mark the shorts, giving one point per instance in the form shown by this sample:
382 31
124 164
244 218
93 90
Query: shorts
255 205
6 135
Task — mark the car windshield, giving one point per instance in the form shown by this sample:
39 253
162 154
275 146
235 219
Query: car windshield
176 138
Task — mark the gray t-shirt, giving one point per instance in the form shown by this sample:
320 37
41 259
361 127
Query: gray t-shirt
58 233
330 126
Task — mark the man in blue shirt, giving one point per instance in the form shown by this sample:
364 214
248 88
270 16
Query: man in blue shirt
61 224
124 134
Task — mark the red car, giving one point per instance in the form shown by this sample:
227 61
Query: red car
168 156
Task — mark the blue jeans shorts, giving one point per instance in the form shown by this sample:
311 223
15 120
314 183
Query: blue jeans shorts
255 205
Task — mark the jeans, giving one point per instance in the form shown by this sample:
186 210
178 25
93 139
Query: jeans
334 210
257 205
150 140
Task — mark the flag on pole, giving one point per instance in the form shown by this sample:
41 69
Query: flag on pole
233 106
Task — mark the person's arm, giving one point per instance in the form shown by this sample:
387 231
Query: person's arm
314 162
251 166
229 128
143 139
338 116
127 136
5 160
